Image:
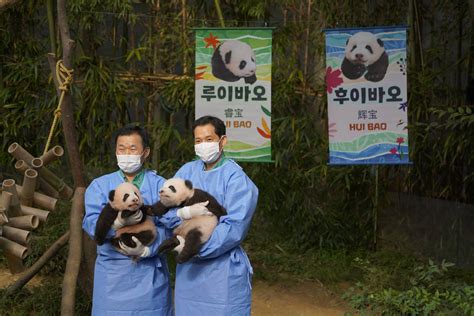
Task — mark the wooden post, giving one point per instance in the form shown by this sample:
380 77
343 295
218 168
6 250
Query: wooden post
74 257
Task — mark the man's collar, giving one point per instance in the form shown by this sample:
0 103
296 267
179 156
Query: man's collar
137 180
220 162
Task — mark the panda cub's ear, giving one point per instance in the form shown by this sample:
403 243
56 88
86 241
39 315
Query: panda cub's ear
189 184
111 195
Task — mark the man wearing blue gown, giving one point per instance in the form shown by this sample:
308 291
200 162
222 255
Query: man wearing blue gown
122 287
218 280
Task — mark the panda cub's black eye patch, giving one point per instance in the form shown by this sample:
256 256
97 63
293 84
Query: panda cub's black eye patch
172 188
125 196
354 47
369 49
242 65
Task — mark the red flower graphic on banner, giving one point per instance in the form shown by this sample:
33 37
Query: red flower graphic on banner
211 40
333 79
393 151
400 140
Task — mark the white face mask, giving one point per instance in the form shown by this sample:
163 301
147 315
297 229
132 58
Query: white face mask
208 151
129 163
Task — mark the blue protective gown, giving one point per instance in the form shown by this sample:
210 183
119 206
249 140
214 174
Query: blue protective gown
218 280
122 287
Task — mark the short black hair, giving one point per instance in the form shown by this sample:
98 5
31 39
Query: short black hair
219 126
131 129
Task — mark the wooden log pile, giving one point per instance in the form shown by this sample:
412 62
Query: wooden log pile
24 207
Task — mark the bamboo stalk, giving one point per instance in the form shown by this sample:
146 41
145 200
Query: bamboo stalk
52 154
42 215
14 209
33 270
29 186
47 189
3 217
5 200
20 153
15 249
37 164
41 200
58 184
17 151
52 37
21 167
28 222
184 39
219 12
17 235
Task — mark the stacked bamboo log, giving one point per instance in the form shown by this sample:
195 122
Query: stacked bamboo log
24 207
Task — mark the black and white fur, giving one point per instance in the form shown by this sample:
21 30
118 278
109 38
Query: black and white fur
233 60
193 232
124 201
365 54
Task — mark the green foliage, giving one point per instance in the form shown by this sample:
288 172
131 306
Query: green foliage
275 259
122 44
452 128
429 291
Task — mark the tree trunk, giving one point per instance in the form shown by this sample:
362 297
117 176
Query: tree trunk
69 131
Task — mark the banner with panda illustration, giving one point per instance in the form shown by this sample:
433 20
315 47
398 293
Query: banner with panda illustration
233 83
366 84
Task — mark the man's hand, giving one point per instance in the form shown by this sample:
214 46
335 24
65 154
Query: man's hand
194 210
133 219
139 250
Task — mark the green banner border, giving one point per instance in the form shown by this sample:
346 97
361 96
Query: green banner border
265 28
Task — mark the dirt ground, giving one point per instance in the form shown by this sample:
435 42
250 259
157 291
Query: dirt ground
298 299
6 279
276 299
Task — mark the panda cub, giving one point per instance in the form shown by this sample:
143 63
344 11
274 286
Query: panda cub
365 54
192 233
233 60
125 201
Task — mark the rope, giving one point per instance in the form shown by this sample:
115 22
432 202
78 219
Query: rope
64 77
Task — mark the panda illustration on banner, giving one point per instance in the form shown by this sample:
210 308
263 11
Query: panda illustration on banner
233 60
365 55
